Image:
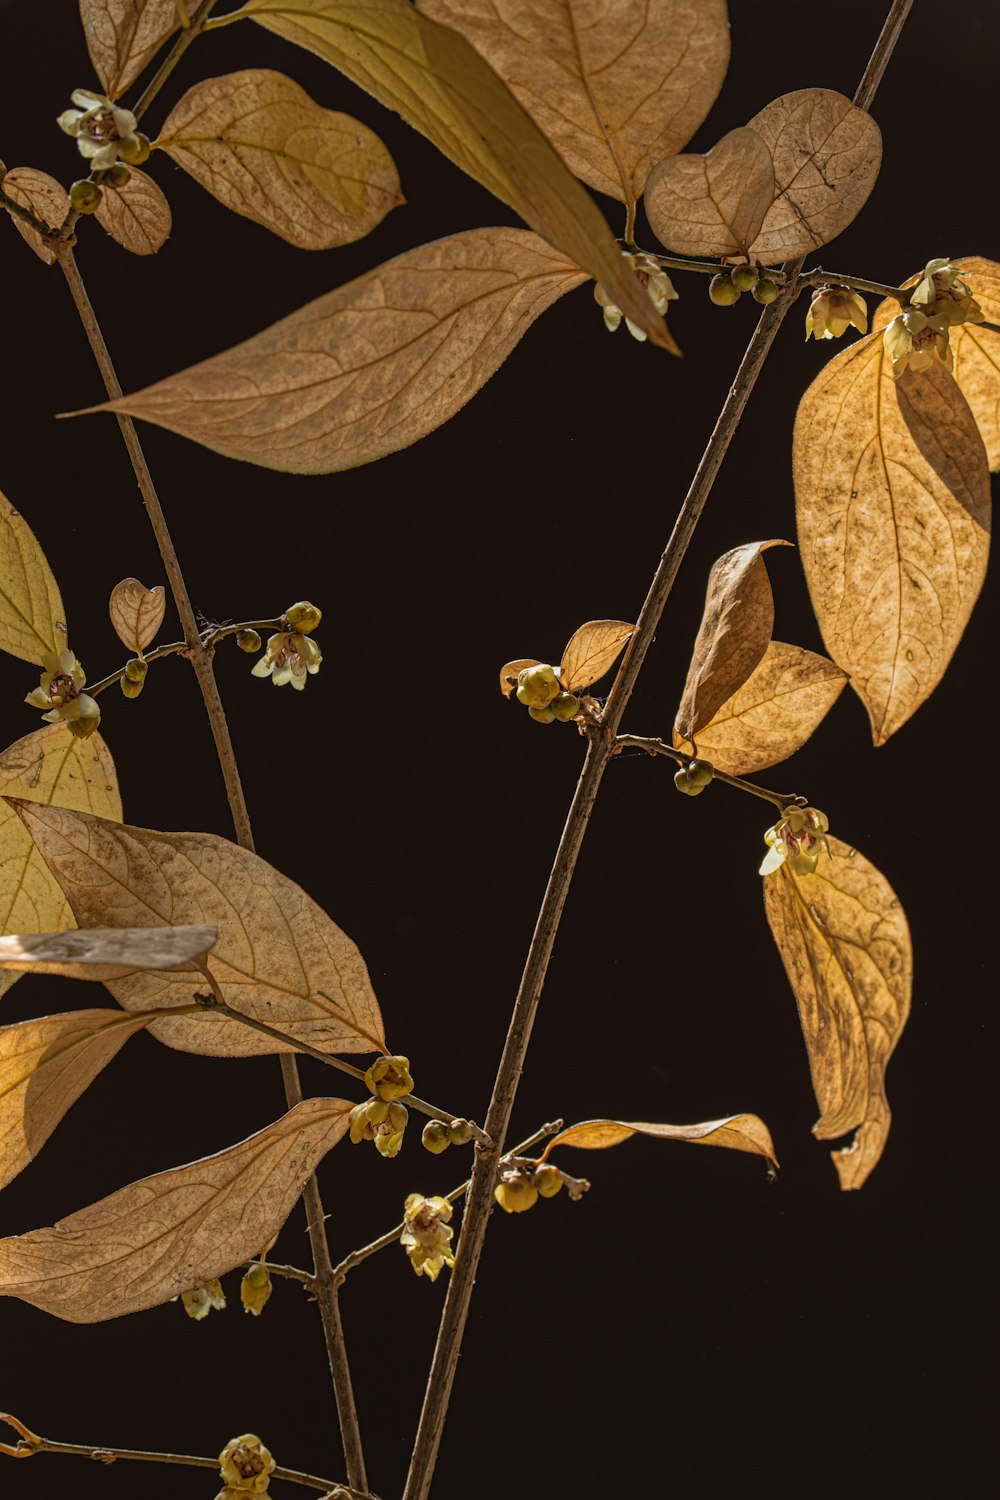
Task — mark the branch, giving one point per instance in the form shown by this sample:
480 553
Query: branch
780 800
209 640
194 29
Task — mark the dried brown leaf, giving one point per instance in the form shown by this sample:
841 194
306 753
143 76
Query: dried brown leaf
32 618
738 1132
136 215
165 1234
124 35
714 204
826 154
41 195
893 504
105 953
976 352
845 945
591 651
441 86
787 695
733 635
258 143
136 612
510 671
372 367
614 87
277 957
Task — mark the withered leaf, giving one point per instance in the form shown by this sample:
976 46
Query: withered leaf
441 86
123 36
893 504
738 1132
136 612
786 696
32 619
826 154
257 142
614 87
165 1234
279 958
733 635
591 651
976 353
714 204
845 945
105 953
510 672
41 195
136 215
372 367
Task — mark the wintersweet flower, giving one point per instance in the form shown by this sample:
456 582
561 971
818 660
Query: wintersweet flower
199 1302
256 1289
381 1122
797 840
60 692
246 1466
103 131
833 310
288 657
942 295
516 1191
659 289
426 1235
389 1078
914 341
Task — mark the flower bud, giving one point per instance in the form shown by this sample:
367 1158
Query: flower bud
435 1137
542 715
765 291
389 1077
548 1180
135 670
117 176
515 1193
565 707
303 617
460 1132
136 149
700 772
248 640
537 686
744 278
256 1289
130 686
722 291
85 196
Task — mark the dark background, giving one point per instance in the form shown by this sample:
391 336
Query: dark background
687 1328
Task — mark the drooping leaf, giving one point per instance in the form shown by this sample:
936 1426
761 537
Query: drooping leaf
845 945
733 635
136 612
976 353
163 1235
372 367
510 672
615 87
893 506
591 651
41 195
124 35
441 86
714 204
826 154
136 215
279 958
32 619
105 953
786 696
738 1132
257 142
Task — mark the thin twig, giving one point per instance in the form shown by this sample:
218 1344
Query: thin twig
599 751
209 640
173 57
780 800
818 277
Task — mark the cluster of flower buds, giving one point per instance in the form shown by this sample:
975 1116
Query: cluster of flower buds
693 778
134 677
426 1236
521 1186
542 694
256 1289
382 1119
796 840
201 1300
245 1467
918 337
659 289
437 1136
61 693
833 310
290 654
725 290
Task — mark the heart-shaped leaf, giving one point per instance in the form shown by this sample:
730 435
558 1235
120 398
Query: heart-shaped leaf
714 204
136 612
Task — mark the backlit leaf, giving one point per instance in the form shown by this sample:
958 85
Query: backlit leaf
615 87
733 635
591 651
258 143
41 195
510 672
845 945
32 619
772 715
826 154
136 215
738 1132
893 505
372 367
976 352
714 204
105 953
136 612
124 35
166 1234
279 958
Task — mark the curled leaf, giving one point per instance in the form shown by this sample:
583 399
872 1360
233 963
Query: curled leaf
738 1132
510 672
591 651
165 1234
105 953
258 143
136 215
32 619
124 35
41 195
714 204
844 942
136 612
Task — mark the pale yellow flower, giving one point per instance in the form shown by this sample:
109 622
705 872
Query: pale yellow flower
913 341
833 310
103 130
797 840
256 1289
60 692
246 1466
389 1078
381 1122
200 1301
659 289
426 1236
516 1191
940 294
288 657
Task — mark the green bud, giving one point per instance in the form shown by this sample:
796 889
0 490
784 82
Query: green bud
722 291
136 149
118 175
565 707
765 291
700 772
744 278
542 715
435 1137
130 687
303 617
85 196
683 783
548 1180
460 1132
135 670
537 686
248 640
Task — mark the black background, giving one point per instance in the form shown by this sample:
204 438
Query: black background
688 1327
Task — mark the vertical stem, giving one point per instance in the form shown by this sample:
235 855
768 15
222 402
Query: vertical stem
201 658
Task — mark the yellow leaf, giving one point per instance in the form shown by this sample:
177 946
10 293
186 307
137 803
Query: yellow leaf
714 204
441 86
614 87
372 367
826 154
124 35
258 143
136 215
41 195
510 672
32 620
893 504
772 715
136 612
845 945
733 635
105 953
738 1132
166 1234
591 651
279 958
